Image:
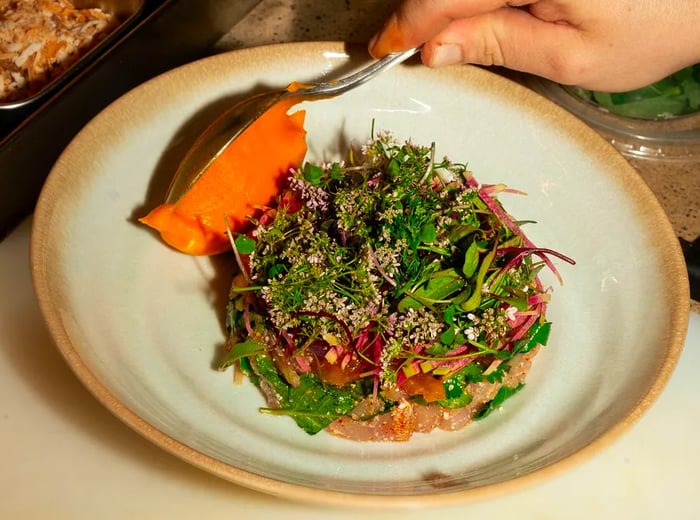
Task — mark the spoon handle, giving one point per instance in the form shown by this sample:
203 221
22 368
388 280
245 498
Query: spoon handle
339 86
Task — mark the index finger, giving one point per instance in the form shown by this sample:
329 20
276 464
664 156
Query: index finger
417 21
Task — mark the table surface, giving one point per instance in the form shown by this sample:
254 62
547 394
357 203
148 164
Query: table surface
65 456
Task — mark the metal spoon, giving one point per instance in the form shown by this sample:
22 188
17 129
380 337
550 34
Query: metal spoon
219 135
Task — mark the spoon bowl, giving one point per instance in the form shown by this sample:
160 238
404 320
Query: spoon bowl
234 121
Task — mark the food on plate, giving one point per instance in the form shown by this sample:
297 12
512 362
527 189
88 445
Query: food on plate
248 174
40 39
386 295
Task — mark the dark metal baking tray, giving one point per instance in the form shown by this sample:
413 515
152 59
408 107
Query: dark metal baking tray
166 34
126 13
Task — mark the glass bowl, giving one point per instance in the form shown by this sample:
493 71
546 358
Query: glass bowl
633 127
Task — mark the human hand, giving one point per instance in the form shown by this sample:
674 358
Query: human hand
609 45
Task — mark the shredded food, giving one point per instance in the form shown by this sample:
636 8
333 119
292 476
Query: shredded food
40 39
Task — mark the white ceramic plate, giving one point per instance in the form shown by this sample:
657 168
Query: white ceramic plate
141 325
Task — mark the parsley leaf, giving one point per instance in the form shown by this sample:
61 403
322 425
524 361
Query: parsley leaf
456 395
537 335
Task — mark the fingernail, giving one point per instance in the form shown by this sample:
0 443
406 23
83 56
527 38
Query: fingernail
386 39
446 54
372 43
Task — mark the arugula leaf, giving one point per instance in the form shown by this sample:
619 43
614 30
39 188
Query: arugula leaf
312 404
539 332
265 369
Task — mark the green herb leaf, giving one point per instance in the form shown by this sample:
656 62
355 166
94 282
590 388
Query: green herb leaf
475 299
503 393
276 269
456 395
241 350
311 404
244 245
497 375
336 172
472 373
448 337
471 260
313 173
394 167
439 287
449 314
458 232
428 233
537 335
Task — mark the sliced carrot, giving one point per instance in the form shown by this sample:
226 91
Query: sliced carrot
246 176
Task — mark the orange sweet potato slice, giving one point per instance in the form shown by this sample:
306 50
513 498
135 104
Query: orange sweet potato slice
247 175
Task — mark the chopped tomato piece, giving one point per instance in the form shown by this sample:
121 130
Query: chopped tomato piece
430 387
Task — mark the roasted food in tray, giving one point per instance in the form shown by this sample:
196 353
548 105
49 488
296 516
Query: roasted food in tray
35 130
40 40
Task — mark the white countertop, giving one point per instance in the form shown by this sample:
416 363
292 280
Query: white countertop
65 456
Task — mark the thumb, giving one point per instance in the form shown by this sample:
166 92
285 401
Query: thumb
515 39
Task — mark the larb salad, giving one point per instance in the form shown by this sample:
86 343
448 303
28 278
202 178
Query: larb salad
384 295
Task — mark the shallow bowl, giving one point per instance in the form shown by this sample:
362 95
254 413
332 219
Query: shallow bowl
141 325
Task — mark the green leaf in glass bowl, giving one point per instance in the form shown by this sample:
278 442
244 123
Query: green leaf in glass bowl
673 96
